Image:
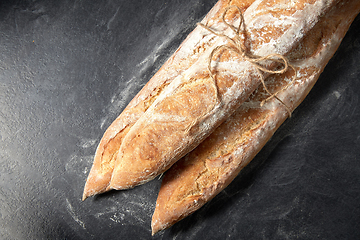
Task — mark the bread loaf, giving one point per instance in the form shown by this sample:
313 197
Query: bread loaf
188 53
207 170
193 104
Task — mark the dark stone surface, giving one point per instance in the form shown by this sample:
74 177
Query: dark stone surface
68 68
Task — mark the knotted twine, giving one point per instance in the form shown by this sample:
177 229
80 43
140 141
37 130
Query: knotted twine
238 47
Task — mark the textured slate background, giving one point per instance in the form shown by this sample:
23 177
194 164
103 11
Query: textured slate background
68 68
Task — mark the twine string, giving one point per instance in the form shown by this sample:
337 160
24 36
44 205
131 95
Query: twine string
238 47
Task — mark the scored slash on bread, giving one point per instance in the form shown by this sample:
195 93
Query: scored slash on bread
204 172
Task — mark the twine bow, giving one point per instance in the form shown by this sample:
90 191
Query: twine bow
238 47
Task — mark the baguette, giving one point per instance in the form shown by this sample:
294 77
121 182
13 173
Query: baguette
189 51
194 104
207 170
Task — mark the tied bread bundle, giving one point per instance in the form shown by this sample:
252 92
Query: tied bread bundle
207 170
183 103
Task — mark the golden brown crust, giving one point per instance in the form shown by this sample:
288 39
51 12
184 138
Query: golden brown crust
207 170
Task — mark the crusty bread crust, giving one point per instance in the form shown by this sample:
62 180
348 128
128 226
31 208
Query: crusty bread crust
188 109
207 170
